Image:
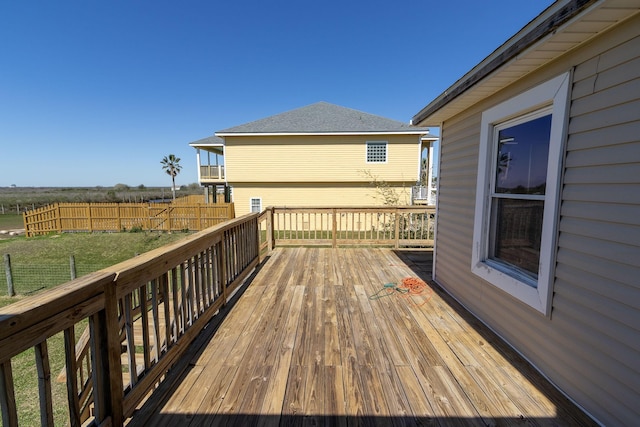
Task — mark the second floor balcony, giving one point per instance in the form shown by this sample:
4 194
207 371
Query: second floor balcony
423 195
212 174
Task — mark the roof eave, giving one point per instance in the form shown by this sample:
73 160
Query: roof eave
344 133
546 24
195 144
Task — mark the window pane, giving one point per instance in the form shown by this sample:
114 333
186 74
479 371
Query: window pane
523 152
516 230
376 152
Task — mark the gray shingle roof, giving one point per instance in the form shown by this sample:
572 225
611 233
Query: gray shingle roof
323 117
210 140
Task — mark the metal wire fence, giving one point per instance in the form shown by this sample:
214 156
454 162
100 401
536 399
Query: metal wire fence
32 277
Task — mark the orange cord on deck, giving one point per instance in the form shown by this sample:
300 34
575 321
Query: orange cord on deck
408 287
415 286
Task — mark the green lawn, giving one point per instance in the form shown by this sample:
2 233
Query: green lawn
11 221
43 262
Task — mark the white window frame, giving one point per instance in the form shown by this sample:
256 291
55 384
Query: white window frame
370 144
259 199
553 94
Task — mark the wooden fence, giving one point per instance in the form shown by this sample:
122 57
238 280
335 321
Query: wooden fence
90 217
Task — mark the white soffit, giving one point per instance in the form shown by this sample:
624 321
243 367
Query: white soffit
580 29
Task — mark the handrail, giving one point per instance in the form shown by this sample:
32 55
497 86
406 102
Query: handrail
401 227
145 310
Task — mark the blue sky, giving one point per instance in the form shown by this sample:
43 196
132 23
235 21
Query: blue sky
97 93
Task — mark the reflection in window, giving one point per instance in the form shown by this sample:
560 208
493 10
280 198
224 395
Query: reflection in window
523 151
517 207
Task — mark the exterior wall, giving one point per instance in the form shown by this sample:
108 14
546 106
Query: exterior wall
320 194
319 159
590 346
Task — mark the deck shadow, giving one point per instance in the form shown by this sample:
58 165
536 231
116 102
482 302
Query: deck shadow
423 269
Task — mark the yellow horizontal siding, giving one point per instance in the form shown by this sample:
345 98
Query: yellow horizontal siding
319 159
320 195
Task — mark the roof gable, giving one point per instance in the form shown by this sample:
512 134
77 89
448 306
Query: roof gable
323 118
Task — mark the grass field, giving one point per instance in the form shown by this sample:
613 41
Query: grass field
17 199
42 262
11 221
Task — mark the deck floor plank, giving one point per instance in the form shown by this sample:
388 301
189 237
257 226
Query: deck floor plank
307 344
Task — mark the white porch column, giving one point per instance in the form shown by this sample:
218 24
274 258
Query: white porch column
198 165
430 173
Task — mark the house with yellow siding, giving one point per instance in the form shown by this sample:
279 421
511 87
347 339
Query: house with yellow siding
318 155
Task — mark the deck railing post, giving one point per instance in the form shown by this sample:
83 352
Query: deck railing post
334 228
270 230
7 396
224 273
112 368
397 227
99 362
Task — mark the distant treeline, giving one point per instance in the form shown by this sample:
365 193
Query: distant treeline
19 199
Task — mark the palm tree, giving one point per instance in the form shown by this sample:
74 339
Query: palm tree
171 165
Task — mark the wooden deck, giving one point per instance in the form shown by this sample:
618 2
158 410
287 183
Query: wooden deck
308 344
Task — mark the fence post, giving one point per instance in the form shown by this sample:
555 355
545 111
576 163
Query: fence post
25 225
58 218
118 219
89 220
7 269
72 266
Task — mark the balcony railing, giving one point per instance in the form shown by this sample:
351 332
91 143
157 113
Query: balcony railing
143 313
423 195
212 173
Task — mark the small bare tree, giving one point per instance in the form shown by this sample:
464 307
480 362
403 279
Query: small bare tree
384 192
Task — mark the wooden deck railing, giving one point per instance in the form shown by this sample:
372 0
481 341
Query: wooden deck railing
142 314
399 227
